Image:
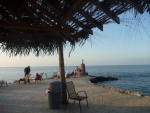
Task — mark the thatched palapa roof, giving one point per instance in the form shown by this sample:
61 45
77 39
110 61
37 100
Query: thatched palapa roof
41 25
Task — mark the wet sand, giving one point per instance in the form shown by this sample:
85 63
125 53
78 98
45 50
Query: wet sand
32 98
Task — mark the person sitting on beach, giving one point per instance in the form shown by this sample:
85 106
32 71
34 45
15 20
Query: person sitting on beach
77 70
67 75
37 77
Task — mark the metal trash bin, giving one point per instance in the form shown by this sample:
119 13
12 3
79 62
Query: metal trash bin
54 95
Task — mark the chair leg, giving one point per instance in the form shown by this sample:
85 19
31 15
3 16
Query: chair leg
87 103
73 102
80 107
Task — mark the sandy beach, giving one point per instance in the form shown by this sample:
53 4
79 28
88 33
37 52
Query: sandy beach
32 98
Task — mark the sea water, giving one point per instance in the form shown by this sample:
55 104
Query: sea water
135 78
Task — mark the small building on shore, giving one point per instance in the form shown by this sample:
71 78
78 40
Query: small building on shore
80 72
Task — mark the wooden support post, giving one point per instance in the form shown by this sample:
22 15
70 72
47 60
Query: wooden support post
62 73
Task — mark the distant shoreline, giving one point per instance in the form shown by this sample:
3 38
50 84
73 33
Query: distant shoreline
126 74
75 65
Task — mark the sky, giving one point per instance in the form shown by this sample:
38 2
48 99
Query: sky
127 43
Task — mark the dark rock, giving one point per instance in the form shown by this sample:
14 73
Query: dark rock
101 79
93 80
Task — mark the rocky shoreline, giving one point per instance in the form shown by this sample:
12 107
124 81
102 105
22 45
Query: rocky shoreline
95 80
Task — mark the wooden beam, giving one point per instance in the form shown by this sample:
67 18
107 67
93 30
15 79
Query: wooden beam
136 5
54 6
5 14
35 34
78 4
91 20
68 37
86 28
48 34
42 10
32 27
38 17
106 11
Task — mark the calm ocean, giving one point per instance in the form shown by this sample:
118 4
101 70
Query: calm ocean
131 77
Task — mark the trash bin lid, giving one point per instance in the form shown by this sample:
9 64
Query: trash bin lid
55 86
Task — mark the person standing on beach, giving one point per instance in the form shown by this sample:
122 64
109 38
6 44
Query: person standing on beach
27 71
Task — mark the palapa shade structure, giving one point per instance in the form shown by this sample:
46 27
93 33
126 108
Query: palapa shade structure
43 26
